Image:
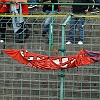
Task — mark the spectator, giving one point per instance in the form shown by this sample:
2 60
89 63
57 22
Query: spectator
4 9
33 6
47 9
96 7
19 23
80 9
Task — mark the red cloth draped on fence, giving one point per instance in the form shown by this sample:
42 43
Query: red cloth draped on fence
83 57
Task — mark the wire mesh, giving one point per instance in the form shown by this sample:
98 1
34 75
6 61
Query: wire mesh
20 82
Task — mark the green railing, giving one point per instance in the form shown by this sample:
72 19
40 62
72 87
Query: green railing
20 82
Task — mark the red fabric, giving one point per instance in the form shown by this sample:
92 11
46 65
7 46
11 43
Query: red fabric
4 7
4 0
1 6
59 9
25 9
83 57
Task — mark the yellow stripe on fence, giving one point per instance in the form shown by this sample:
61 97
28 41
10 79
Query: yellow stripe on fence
42 15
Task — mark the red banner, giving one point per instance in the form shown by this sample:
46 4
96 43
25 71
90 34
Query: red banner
83 57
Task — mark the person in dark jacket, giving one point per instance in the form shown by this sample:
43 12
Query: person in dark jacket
78 9
47 9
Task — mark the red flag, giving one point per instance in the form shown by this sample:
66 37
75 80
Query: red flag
83 57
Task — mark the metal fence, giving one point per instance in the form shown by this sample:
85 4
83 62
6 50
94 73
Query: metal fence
20 82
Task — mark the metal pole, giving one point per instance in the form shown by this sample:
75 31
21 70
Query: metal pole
51 30
62 74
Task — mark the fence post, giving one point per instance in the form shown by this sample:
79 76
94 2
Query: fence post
51 30
62 74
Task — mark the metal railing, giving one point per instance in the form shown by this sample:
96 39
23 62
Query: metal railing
20 82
